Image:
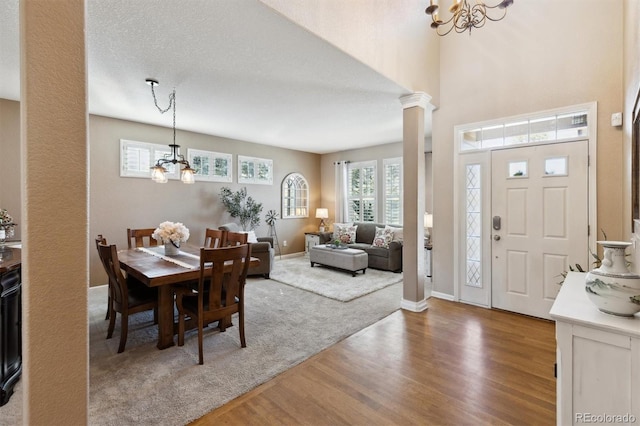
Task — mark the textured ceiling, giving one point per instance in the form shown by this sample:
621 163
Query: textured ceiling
240 70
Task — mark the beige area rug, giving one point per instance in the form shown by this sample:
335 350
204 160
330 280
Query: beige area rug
330 282
146 386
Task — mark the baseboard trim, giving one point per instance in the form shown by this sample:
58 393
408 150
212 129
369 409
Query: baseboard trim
444 296
410 305
289 256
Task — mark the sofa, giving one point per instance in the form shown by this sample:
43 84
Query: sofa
380 257
262 249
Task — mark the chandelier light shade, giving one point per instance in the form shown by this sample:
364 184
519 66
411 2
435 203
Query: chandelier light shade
464 16
159 171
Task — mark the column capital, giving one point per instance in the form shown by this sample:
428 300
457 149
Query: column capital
420 99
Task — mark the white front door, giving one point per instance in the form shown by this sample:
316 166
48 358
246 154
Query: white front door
539 221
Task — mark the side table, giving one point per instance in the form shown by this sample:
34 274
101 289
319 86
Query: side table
315 238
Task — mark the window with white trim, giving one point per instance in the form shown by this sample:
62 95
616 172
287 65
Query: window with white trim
211 166
361 187
295 196
137 158
392 191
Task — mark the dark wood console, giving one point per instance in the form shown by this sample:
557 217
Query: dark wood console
10 321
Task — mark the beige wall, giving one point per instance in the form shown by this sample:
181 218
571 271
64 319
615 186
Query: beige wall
10 161
53 181
369 31
631 92
545 54
118 203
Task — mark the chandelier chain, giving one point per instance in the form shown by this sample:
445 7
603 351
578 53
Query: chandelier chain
172 103
158 171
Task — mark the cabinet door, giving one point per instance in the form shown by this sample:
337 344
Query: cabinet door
598 374
10 332
310 241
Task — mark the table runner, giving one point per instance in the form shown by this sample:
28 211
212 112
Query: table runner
157 251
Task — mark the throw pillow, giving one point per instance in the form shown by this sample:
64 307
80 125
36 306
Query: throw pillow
336 229
382 238
347 234
398 234
251 236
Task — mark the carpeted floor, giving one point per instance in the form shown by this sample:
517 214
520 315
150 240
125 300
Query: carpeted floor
329 282
146 386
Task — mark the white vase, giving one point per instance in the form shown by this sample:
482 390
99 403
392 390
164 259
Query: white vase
612 287
170 249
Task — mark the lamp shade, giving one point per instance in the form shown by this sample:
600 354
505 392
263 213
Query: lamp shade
322 213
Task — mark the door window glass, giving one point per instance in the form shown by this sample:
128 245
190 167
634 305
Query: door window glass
474 228
518 169
555 166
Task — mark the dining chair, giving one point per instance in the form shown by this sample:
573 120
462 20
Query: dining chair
128 296
141 237
236 238
101 240
214 238
219 294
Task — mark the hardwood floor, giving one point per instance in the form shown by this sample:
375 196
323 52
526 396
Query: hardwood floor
453 364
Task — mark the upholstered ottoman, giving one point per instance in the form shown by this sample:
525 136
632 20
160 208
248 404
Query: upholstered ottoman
348 259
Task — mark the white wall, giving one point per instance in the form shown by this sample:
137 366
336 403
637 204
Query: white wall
631 74
545 54
391 36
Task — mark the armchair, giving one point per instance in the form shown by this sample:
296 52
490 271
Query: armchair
263 250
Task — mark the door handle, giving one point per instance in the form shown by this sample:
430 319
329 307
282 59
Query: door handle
496 237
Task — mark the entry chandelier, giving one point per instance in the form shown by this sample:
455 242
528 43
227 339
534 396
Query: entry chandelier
158 172
464 16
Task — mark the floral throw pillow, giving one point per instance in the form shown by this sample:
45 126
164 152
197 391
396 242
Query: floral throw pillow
383 237
347 234
336 229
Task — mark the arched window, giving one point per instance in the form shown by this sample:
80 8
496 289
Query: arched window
295 196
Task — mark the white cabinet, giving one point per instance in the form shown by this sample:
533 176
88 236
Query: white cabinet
310 240
598 358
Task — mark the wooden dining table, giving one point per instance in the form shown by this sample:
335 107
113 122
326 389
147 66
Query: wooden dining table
150 266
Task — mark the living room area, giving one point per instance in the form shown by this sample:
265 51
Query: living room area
87 192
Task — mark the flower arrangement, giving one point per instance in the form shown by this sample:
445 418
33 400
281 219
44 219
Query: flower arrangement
171 232
6 223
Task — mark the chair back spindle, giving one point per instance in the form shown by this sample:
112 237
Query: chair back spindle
141 237
214 238
236 238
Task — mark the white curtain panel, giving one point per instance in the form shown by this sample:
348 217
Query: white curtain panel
342 206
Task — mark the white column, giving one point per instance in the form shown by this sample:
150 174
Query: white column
413 257
54 185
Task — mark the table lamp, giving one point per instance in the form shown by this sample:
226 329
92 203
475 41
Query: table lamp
322 214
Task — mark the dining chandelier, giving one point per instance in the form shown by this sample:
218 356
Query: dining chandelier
464 16
159 171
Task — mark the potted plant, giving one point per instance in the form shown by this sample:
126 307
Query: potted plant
246 209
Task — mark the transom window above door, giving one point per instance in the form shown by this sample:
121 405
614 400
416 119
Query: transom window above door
526 130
